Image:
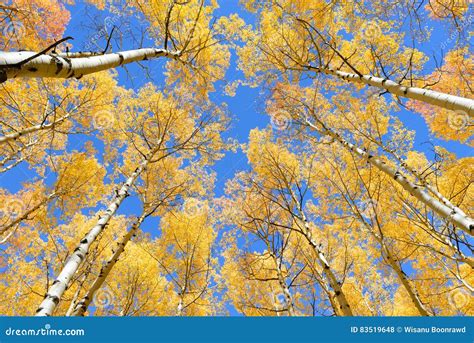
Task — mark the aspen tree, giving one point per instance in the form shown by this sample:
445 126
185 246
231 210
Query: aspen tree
161 140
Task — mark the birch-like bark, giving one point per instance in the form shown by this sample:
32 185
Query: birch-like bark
275 304
393 263
59 286
14 164
423 181
179 310
76 295
31 129
389 258
12 64
338 292
458 219
15 153
412 293
284 288
443 100
81 307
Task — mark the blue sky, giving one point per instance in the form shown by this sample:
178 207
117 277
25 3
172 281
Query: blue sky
246 106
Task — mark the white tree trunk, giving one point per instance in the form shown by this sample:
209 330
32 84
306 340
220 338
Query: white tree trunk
335 285
337 288
450 102
284 288
423 182
60 285
83 304
179 311
412 293
449 214
76 295
393 263
60 66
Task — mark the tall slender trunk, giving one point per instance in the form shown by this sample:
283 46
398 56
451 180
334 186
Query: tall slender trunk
179 311
447 101
284 288
13 65
387 255
73 303
422 180
83 304
412 293
31 129
59 286
331 277
275 304
344 306
449 214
